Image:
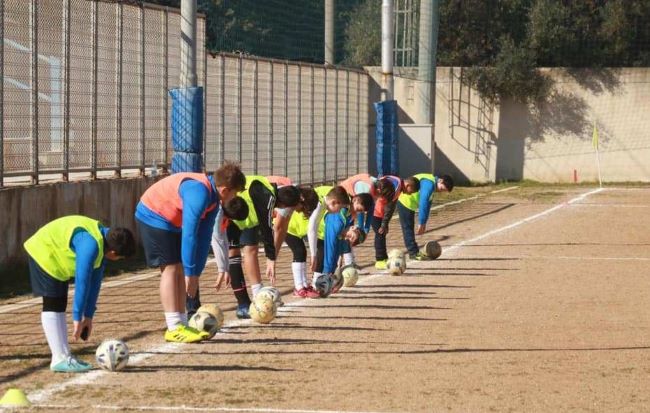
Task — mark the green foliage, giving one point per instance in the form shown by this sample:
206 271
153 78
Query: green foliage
363 35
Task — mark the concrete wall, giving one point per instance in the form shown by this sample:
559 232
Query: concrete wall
25 209
478 142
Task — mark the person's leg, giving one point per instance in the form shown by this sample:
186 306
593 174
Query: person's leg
237 280
407 222
172 294
380 240
299 252
250 243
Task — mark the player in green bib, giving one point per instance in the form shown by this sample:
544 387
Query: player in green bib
72 246
417 197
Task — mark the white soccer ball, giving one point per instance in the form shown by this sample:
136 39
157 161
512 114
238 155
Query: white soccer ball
396 265
262 309
112 355
350 276
395 253
215 310
274 293
323 285
204 321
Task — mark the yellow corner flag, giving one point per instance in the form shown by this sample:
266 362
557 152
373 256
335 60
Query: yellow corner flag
594 138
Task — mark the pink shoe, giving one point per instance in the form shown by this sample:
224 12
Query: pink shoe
311 293
306 293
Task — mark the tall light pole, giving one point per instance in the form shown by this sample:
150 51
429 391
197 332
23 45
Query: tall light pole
188 43
330 8
427 45
387 42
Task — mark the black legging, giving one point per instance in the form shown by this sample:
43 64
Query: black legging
297 246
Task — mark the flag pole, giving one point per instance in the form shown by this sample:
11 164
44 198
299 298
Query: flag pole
594 141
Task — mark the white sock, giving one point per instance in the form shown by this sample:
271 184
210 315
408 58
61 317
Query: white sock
173 319
56 333
255 288
348 258
298 270
183 318
314 277
304 274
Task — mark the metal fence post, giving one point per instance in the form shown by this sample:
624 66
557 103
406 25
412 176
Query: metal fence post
223 109
271 137
359 77
239 107
347 123
142 94
120 25
165 159
255 115
95 57
286 119
2 100
299 122
33 21
336 123
66 111
311 126
324 124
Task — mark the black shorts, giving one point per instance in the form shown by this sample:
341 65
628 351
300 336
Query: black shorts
43 284
161 247
238 238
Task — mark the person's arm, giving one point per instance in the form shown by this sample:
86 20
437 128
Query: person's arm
93 292
264 202
427 188
220 243
334 224
86 249
280 228
389 210
206 227
312 230
196 198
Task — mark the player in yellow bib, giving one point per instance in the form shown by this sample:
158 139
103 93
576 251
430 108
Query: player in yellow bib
72 246
417 197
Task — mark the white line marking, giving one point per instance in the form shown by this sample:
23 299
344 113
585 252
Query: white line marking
552 257
454 247
611 205
189 409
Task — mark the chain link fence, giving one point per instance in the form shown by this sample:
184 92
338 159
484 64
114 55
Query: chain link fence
84 92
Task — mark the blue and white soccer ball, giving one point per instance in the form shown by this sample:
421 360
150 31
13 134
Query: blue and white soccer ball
323 285
274 294
112 355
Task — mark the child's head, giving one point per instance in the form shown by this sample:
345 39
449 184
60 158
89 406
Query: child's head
385 189
308 200
288 197
336 199
229 179
411 185
120 243
362 202
236 209
445 184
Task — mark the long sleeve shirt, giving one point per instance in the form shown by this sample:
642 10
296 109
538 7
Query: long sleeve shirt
88 280
335 224
427 188
220 242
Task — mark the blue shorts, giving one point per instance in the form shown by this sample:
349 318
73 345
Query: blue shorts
242 237
43 284
161 247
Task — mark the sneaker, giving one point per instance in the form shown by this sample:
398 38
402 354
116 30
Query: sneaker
419 257
184 334
203 334
242 313
71 365
381 264
306 292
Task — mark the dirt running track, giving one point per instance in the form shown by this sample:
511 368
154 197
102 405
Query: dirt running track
545 314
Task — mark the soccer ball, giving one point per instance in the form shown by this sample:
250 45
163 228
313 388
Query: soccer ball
350 276
262 309
112 355
396 264
432 249
274 293
337 281
395 253
215 311
204 321
323 285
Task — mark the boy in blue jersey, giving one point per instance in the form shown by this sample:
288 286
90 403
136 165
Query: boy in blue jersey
176 217
72 246
417 196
